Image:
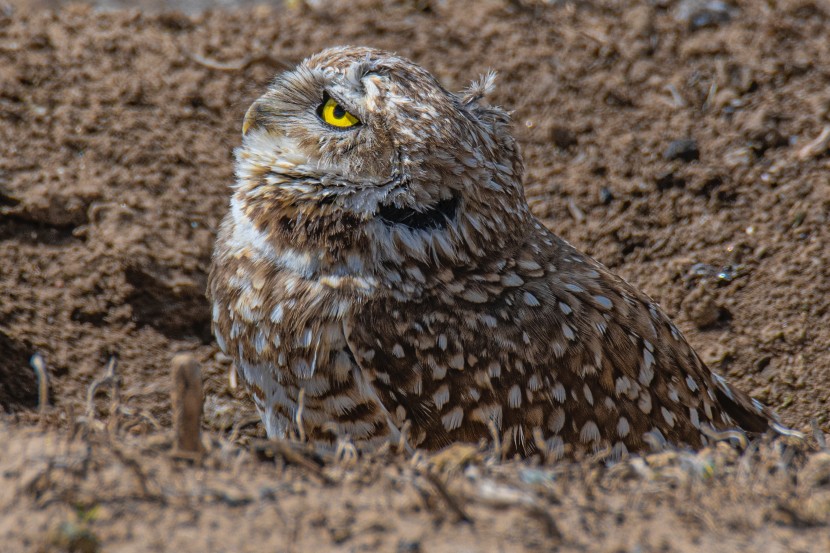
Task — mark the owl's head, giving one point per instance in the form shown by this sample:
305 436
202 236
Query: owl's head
357 148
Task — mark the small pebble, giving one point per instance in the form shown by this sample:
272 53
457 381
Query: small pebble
685 149
699 14
605 195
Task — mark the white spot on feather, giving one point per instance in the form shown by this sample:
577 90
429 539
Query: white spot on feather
694 417
530 300
668 416
260 341
456 361
474 296
622 385
604 302
453 419
691 384
534 383
511 280
645 403
556 448
514 397
646 370
589 433
441 397
623 428
559 393
575 288
487 413
528 265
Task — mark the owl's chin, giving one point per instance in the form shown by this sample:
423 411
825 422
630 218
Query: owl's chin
435 217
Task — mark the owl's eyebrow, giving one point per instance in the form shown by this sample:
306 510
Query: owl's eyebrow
327 95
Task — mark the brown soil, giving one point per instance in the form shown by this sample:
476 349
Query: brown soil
116 131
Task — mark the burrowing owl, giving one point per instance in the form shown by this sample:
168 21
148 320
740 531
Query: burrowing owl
379 256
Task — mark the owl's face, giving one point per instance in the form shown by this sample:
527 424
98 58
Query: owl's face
357 144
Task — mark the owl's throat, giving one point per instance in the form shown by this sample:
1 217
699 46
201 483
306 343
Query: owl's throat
435 217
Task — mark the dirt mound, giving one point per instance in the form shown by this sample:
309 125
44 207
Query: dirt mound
684 144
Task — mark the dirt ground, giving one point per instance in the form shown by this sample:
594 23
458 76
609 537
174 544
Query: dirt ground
684 144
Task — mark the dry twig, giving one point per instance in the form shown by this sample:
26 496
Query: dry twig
240 65
39 367
291 455
452 502
817 147
135 468
187 399
110 379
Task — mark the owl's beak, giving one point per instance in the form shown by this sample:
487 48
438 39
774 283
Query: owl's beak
256 115
250 119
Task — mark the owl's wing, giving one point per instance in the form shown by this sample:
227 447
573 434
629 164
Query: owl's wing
546 350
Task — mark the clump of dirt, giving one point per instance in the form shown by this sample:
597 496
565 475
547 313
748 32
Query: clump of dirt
684 144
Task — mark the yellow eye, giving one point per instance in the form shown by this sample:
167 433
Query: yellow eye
333 113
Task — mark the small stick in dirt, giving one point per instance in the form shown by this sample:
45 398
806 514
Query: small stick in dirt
345 453
240 65
241 425
187 399
291 456
817 146
39 367
109 379
577 213
135 466
452 502
677 99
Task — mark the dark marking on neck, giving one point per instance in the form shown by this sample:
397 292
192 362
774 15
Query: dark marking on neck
435 217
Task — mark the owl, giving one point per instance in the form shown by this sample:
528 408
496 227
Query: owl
379 271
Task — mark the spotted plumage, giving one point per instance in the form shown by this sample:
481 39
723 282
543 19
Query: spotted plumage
380 257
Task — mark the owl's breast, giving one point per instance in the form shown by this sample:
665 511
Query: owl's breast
282 323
